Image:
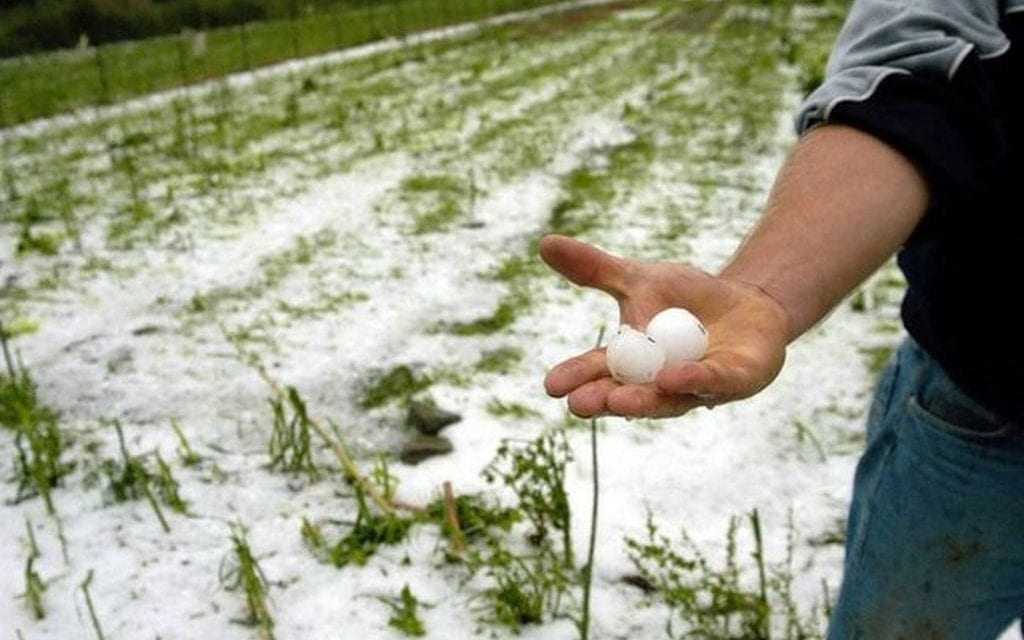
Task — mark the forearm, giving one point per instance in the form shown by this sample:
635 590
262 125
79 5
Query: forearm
842 204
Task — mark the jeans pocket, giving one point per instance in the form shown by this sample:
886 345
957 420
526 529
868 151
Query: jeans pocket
953 416
941 404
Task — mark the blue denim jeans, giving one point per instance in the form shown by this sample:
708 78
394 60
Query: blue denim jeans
935 537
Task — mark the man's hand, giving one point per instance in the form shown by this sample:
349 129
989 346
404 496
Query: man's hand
748 333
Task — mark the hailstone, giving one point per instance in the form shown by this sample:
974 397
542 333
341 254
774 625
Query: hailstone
680 334
634 357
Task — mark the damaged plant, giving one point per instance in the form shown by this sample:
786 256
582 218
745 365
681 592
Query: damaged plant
290 445
131 479
529 583
247 575
404 610
720 603
366 535
535 471
37 436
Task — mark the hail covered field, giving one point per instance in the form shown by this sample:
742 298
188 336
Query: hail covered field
341 241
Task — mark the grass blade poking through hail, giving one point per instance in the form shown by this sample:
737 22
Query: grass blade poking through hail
588 570
92 610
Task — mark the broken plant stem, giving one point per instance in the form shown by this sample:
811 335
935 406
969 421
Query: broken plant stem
7 354
156 508
92 610
34 585
188 456
452 516
61 538
755 523
253 582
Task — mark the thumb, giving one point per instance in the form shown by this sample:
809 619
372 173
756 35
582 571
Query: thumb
584 264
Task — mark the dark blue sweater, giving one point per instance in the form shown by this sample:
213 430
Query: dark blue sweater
943 82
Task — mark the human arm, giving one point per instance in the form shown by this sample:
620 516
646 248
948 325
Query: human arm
916 83
841 205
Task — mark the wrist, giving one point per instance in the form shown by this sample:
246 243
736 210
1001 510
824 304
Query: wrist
771 305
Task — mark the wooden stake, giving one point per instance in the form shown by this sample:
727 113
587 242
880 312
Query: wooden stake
452 516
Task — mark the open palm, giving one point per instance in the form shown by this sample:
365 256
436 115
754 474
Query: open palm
748 333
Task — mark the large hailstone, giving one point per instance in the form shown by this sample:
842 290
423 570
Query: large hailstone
634 357
680 334
675 335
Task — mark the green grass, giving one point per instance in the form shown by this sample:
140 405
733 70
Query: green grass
38 440
435 201
248 576
186 454
116 72
508 310
478 517
875 358
731 600
369 532
132 479
502 360
500 409
516 267
404 610
397 384
290 446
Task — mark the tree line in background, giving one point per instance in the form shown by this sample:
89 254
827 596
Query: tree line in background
28 26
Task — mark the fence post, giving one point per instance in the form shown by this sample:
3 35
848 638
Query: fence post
101 70
293 10
244 37
183 74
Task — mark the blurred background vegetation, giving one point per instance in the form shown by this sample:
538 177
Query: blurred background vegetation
106 53
28 26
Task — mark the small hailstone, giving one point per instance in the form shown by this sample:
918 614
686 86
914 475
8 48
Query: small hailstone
680 334
634 357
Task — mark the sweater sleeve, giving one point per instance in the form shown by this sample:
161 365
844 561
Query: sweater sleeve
923 76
